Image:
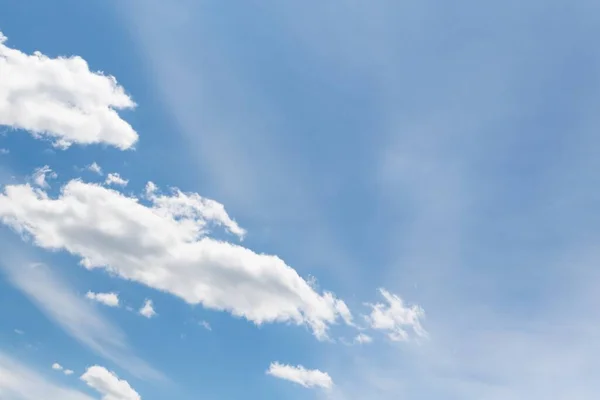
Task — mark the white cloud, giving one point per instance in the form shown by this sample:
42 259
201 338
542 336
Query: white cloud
110 299
108 384
147 309
362 338
4 151
308 378
78 318
19 382
61 99
58 367
164 245
395 317
115 179
41 174
19 332
95 168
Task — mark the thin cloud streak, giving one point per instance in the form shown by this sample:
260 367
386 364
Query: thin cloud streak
73 314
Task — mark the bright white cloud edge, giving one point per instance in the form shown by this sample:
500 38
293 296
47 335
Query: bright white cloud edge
110 299
164 244
108 384
62 100
309 378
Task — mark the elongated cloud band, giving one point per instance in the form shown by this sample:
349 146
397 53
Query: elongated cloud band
164 245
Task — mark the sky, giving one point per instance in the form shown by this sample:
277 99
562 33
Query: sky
300 200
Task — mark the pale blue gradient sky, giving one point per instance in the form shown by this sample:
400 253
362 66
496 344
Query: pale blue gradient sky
448 152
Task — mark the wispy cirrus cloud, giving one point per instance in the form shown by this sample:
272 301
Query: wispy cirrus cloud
80 319
20 382
269 184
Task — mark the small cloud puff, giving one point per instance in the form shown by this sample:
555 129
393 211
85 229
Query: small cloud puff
309 378
109 299
148 309
95 168
115 179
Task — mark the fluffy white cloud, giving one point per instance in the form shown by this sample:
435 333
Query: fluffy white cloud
115 179
68 372
395 317
41 174
61 99
308 378
19 382
95 168
147 309
108 384
362 338
164 245
110 299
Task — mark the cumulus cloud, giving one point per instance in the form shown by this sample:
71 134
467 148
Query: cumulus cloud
115 179
41 174
61 99
308 378
109 299
164 245
395 318
19 382
362 338
95 168
68 372
108 384
147 309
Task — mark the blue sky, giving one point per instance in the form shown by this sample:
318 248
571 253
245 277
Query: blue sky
400 197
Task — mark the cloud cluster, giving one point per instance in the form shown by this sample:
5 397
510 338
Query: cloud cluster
61 99
395 318
309 378
58 367
164 245
160 240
